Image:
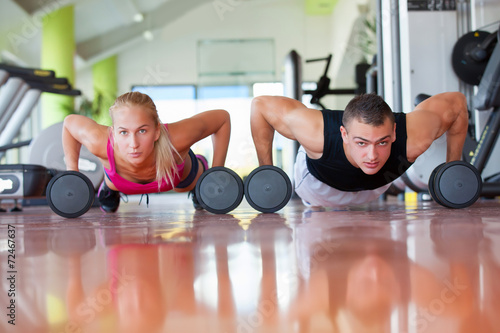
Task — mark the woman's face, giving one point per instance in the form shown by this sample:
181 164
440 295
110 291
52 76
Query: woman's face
134 133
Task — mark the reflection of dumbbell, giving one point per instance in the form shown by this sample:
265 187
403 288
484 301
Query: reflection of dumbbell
70 194
268 189
455 185
219 190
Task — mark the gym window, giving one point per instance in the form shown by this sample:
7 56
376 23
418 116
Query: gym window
176 102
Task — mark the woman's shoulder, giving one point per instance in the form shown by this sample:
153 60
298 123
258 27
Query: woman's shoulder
89 133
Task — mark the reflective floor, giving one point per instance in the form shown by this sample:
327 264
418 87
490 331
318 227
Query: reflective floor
385 267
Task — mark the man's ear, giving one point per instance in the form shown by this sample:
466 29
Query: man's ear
343 131
394 133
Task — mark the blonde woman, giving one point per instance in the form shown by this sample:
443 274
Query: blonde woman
141 155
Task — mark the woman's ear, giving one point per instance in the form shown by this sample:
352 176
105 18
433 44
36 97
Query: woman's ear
158 131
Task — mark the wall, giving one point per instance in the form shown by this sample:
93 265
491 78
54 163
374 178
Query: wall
345 47
485 12
171 58
20 35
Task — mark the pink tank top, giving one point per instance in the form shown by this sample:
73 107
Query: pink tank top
128 187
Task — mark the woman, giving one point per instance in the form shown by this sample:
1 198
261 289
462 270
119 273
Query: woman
141 155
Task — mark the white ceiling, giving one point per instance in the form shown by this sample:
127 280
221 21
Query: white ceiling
103 27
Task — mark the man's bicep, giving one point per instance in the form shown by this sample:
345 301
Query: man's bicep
306 126
423 127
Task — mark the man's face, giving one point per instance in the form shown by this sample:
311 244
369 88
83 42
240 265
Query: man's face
366 146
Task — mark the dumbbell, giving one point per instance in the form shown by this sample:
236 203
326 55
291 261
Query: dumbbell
70 194
268 189
219 190
455 184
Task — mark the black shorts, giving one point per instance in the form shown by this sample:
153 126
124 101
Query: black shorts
192 174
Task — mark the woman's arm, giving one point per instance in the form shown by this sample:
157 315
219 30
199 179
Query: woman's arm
79 130
216 123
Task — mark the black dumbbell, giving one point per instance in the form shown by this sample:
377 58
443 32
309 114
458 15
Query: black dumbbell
70 194
268 189
455 184
219 190
431 183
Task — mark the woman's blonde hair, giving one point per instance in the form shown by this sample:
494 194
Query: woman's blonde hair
163 149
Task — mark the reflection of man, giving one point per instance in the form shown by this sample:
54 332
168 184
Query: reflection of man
372 289
356 274
360 277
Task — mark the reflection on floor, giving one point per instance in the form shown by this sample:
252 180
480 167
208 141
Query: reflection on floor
383 267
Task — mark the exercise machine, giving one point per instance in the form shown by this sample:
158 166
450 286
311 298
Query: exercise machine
462 182
488 98
323 84
19 95
42 177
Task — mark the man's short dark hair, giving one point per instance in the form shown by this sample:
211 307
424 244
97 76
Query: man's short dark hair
369 109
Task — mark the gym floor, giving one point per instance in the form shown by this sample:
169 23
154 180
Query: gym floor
390 266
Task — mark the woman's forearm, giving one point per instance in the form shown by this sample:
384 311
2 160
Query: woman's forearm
71 146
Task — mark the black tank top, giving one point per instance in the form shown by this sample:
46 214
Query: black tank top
334 169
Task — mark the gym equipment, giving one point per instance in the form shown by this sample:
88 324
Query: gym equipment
47 150
488 98
15 85
431 184
323 84
455 185
219 190
292 76
70 194
417 176
470 55
268 189
23 180
19 95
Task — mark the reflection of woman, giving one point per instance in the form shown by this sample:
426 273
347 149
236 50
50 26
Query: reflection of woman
31 281
138 298
130 301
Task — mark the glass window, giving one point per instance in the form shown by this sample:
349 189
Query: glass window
177 102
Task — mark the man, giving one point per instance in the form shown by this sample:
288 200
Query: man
352 156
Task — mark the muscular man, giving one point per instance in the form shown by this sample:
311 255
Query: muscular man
352 156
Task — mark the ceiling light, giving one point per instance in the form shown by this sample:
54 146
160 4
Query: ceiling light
148 35
138 17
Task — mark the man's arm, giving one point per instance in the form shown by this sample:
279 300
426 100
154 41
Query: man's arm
439 114
288 117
